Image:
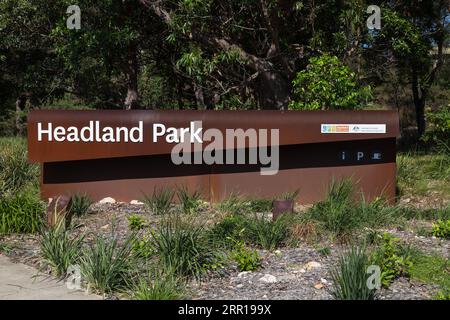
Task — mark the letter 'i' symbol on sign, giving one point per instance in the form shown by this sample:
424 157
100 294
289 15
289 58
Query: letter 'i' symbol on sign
374 21
74 21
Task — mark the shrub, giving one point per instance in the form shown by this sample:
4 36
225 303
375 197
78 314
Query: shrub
190 202
106 264
159 202
392 259
327 84
350 277
231 227
158 286
181 247
439 123
21 213
441 229
246 259
59 249
143 247
16 172
80 205
135 222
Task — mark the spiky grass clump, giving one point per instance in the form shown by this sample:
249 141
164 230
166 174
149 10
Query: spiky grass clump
267 233
158 285
350 277
106 264
80 204
59 249
159 202
181 247
190 201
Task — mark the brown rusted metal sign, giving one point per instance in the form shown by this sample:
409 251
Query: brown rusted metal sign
125 154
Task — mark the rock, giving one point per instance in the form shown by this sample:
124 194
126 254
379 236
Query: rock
268 278
239 286
277 252
243 273
136 202
318 286
312 265
107 200
302 270
324 281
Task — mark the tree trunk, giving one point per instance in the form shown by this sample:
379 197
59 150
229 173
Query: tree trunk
132 70
419 104
272 90
199 97
20 106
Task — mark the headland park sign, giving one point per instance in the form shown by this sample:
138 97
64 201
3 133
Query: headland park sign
126 154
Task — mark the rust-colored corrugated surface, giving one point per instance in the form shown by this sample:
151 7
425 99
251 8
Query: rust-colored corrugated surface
309 159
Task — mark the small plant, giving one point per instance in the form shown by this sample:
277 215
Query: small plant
21 213
80 205
135 222
106 264
246 259
350 277
441 229
59 249
190 202
159 202
392 259
158 285
443 295
143 247
6 248
373 237
324 251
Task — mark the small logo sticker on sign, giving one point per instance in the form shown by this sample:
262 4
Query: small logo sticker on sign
353 128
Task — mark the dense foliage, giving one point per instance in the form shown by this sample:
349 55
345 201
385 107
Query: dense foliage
209 54
327 84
